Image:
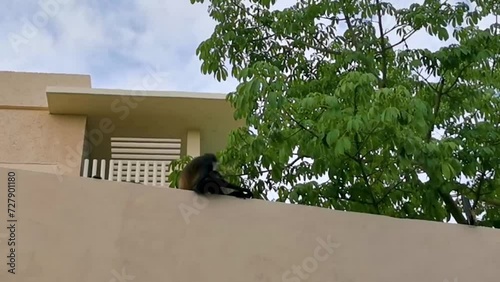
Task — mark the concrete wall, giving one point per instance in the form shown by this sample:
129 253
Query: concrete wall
36 140
87 230
31 138
26 89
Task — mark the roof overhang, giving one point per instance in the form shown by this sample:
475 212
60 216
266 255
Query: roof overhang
94 101
210 113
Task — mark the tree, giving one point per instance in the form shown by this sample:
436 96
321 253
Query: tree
332 88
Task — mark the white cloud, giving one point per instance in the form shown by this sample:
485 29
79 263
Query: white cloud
116 42
113 43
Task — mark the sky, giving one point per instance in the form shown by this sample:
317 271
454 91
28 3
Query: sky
113 41
117 41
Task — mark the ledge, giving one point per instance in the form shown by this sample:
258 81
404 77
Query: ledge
95 229
95 101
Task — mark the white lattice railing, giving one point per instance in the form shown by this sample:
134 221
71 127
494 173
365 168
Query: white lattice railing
146 172
139 160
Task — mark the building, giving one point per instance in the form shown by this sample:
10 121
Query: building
60 226
58 123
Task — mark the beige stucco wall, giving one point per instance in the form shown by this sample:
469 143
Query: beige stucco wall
87 230
36 140
31 138
26 89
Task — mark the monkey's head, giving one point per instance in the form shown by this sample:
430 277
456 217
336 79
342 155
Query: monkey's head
211 159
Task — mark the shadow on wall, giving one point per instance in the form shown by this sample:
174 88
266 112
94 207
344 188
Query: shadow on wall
98 177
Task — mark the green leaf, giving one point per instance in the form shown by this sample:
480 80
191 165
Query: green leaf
332 136
445 169
366 112
343 145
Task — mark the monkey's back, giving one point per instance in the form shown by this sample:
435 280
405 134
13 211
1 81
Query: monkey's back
188 176
196 169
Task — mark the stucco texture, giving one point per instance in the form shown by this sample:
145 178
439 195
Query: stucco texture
85 230
36 140
25 89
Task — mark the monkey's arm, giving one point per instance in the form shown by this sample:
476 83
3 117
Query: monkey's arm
244 194
204 182
238 192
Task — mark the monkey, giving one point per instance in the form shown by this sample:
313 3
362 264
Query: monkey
201 176
197 169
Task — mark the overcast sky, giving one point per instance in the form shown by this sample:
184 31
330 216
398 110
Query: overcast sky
115 41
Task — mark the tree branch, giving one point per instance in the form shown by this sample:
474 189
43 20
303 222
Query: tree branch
389 191
383 82
451 206
478 191
437 106
365 178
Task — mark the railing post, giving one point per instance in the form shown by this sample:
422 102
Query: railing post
111 168
146 172
103 169
162 174
137 171
94 168
119 175
155 171
86 168
129 170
